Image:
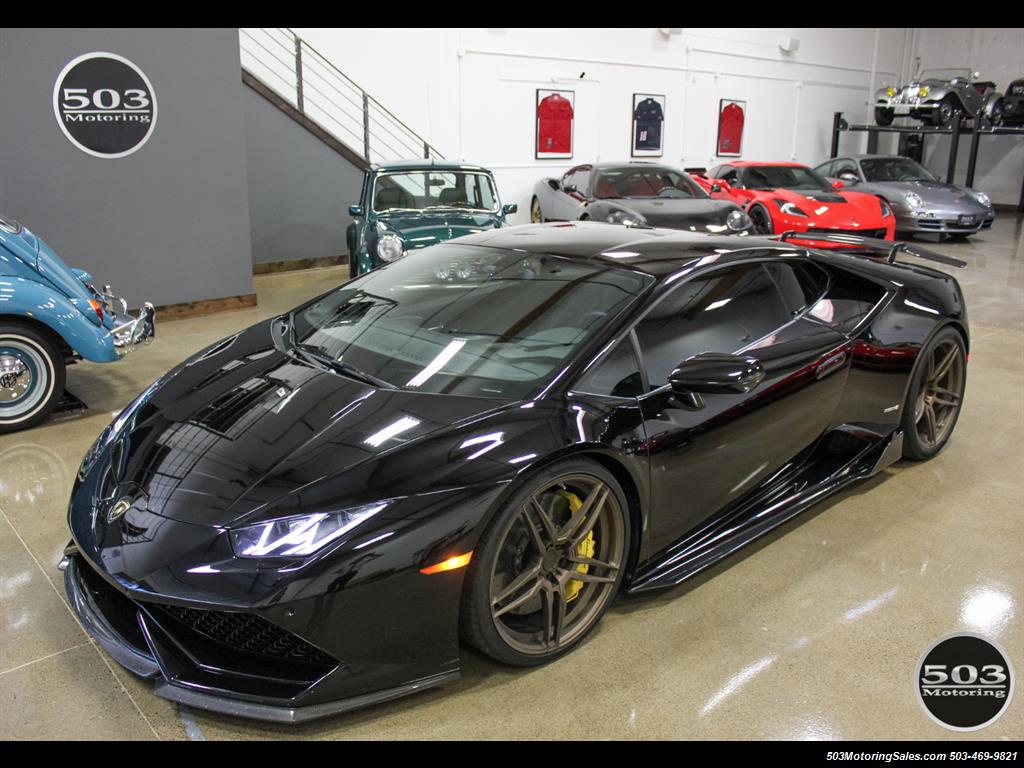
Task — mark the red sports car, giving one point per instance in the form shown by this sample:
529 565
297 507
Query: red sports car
782 197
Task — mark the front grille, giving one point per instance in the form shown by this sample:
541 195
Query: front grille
250 633
878 233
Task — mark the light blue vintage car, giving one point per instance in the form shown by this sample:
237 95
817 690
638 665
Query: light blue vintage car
51 316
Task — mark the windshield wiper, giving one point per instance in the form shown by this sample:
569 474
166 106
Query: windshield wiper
317 356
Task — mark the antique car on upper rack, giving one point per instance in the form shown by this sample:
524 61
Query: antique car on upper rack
410 204
937 95
635 193
1013 103
920 200
486 442
790 197
50 317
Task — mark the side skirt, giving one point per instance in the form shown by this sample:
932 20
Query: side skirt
841 458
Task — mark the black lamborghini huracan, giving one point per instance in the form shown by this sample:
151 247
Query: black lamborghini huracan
485 441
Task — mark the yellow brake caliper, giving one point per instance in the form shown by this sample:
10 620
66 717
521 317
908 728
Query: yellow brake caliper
586 547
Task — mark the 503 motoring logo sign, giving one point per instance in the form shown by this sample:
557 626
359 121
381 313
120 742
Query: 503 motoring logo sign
104 104
964 681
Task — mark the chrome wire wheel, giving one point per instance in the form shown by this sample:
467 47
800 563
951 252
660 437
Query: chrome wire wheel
557 564
536 217
940 394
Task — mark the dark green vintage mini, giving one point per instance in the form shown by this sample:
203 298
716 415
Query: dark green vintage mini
411 204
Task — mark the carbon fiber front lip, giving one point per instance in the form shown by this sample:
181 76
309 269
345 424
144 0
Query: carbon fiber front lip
278 714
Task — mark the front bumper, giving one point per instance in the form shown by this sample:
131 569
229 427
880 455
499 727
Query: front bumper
944 222
130 331
192 666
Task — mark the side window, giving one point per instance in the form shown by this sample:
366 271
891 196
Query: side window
616 374
800 284
730 175
582 180
826 169
844 166
569 178
723 311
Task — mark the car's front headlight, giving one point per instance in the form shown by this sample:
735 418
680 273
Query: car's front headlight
981 197
923 91
913 199
737 221
390 247
626 218
299 536
789 208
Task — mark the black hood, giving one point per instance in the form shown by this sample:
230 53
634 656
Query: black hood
248 428
679 213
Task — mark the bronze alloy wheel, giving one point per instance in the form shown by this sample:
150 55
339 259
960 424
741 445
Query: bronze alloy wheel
551 565
936 396
535 215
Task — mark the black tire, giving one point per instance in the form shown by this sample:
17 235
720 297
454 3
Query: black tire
761 220
32 375
945 112
536 212
884 115
994 118
937 390
509 552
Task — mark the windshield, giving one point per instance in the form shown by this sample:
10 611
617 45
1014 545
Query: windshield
945 73
647 181
784 177
894 169
420 190
467 320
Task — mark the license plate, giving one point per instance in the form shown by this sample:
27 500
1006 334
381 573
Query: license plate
966 220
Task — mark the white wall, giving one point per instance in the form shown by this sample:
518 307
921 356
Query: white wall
470 92
998 54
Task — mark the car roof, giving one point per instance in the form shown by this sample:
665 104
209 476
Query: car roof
656 252
869 157
755 163
425 164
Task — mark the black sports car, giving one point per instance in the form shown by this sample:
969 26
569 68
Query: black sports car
635 194
485 441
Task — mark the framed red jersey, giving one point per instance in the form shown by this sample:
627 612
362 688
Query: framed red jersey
731 115
555 113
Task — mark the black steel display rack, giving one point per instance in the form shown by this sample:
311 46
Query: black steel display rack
954 131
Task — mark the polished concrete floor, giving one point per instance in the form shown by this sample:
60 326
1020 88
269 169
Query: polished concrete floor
813 632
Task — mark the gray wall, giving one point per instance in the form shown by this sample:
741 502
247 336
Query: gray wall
169 223
299 188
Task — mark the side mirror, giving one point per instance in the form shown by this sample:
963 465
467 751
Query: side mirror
508 208
713 372
849 178
837 184
356 210
716 187
569 189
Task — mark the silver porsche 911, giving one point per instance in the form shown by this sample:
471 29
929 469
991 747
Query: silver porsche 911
921 201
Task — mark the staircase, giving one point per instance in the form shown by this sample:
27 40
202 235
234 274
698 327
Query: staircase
301 77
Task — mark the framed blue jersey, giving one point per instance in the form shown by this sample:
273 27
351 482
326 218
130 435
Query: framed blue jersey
648 124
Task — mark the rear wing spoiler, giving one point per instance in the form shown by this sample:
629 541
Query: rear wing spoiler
888 248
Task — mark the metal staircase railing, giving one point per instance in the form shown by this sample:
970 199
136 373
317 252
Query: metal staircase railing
302 76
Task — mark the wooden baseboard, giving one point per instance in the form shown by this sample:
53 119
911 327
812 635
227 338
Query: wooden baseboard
267 267
204 307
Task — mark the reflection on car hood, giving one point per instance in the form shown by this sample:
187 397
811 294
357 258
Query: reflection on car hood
248 428
933 192
679 213
423 228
